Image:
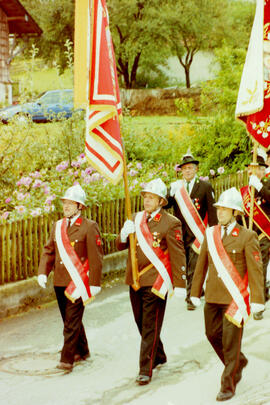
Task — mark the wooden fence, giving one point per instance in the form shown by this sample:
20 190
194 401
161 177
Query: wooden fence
21 242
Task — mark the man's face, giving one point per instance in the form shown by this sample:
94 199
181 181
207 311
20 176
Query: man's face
225 215
151 202
69 208
259 171
189 171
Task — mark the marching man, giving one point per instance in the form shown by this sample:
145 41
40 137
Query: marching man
74 252
231 253
261 213
161 264
193 201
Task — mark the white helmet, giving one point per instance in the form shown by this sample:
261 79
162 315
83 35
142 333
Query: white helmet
230 198
157 187
75 193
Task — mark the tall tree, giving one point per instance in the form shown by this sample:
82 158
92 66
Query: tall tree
138 33
193 26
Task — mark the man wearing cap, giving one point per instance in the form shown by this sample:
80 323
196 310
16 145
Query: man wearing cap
231 255
74 251
261 212
192 200
161 266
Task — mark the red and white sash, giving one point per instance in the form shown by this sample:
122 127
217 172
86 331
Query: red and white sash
260 219
191 215
156 256
239 309
77 270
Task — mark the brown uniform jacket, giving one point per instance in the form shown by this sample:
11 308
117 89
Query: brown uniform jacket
169 231
87 243
244 252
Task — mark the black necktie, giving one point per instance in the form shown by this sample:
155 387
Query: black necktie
225 231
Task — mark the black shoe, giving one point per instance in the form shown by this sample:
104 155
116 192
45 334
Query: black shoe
78 357
190 306
158 362
224 396
143 379
258 316
238 374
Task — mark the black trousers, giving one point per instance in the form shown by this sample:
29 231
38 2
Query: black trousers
75 341
226 339
148 310
264 248
191 258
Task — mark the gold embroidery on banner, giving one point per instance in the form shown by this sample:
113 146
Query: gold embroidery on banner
253 94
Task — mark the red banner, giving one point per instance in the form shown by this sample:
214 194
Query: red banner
253 103
103 139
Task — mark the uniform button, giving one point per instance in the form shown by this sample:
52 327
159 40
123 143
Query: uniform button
61 262
76 240
234 251
183 277
183 268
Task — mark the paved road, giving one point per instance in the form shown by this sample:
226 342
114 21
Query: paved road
30 344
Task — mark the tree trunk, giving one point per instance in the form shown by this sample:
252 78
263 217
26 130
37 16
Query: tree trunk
187 74
134 70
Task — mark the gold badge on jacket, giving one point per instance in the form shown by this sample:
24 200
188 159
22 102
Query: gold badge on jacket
156 241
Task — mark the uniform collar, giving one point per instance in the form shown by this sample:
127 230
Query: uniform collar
73 219
154 213
191 183
229 228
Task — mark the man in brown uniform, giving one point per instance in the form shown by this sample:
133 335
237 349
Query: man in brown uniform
74 252
160 249
231 253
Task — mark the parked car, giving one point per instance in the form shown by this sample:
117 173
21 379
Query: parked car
50 105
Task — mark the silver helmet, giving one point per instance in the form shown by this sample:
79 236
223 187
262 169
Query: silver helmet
158 187
75 193
230 198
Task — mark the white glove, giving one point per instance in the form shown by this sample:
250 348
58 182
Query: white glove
95 289
257 307
255 182
180 292
42 280
174 187
195 301
127 229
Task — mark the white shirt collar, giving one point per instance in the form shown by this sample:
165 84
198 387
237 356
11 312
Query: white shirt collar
154 213
229 228
191 184
73 219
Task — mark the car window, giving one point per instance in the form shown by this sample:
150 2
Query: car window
63 97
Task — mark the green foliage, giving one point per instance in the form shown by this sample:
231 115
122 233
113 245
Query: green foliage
221 140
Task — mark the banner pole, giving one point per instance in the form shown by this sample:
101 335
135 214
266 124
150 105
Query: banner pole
132 245
252 191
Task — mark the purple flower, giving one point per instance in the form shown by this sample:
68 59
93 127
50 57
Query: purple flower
82 156
135 182
5 215
212 172
49 199
165 174
206 178
46 189
132 172
24 181
88 170
139 166
161 167
142 185
37 183
21 196
36 174
7 200
95 177
36 212
221 170
76 164
177 168
62 166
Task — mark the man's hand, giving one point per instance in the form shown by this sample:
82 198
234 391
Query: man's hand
127 229
42 280
195 301
255 182
174 187
257 308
